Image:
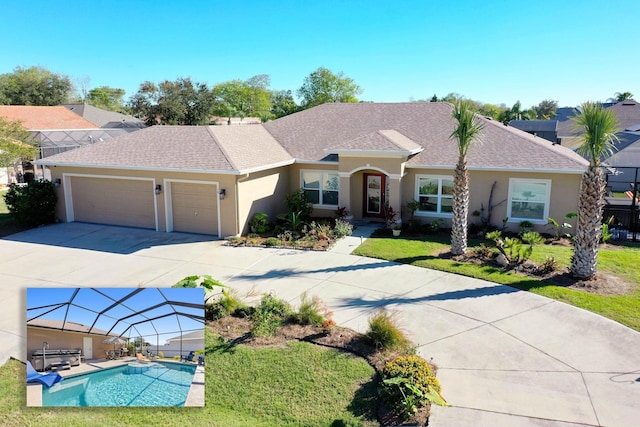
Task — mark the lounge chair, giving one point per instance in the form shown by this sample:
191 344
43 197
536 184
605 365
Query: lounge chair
141 358
187 358
44 379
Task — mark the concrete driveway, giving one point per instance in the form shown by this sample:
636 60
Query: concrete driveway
505 357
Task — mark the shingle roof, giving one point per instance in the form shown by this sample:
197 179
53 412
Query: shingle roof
45 118
104 118
196 335
156 147
382 140
535 125
628 113
317 134
68 326
249 147
195 148
339 126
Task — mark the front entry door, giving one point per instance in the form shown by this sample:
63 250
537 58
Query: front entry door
374 194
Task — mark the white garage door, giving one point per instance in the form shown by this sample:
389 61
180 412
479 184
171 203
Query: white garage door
194 207
123 202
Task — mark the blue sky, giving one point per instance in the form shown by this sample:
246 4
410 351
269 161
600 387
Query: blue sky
88 301
492 51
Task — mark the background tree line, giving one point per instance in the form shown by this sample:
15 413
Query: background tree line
187 102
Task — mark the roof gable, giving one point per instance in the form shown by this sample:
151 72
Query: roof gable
45 118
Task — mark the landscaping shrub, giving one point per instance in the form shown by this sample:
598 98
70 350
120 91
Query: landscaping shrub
272 241
408 382
385 334
259 223
230 301
33 204
298 203
312 311
214 311
342 229
161 355
271 313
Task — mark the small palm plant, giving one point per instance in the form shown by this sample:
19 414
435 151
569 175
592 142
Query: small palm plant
468 129
599 126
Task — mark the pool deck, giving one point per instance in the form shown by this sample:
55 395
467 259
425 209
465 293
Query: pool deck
194 398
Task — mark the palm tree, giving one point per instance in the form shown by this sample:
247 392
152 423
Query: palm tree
621 96
599 125
468 128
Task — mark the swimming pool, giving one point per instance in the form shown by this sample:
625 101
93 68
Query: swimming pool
135 384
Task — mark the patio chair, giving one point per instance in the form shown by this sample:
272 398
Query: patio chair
141 358
44 379
187 358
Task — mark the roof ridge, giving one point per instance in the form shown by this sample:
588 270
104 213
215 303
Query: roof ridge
222 148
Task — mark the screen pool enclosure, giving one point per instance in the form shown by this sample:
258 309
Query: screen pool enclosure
146 317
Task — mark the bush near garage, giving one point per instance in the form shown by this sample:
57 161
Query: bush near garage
33 204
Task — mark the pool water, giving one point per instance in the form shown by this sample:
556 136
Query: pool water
137 384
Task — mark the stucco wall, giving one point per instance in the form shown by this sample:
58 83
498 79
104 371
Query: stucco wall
64 340
563 198
262 192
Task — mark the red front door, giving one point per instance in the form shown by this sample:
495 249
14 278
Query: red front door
375 186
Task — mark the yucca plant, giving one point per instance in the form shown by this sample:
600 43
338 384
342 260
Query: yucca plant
599 126
468 129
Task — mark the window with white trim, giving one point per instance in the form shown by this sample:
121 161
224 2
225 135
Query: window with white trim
435 194
529 199
321 188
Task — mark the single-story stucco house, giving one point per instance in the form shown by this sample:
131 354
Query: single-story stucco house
212 179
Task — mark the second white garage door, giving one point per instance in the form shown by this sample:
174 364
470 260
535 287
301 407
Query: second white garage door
194 207
125 202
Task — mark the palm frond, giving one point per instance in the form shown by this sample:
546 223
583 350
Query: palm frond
469 126
599 126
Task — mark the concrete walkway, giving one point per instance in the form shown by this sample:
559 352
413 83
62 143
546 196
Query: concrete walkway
505 357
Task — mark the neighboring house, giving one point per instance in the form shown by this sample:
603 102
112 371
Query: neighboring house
212 179
57 129
547 129
105 118
182 345
624 164
236 120
56 335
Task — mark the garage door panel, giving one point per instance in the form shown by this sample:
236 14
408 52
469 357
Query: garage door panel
113 201
194 208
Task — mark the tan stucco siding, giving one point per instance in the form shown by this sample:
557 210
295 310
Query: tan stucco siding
385 165
59 340
262 192
563 194
227 207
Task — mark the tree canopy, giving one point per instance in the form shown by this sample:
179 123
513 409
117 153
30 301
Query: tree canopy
238 98
107 98
179 102
34 86
621 96
15 143
322 86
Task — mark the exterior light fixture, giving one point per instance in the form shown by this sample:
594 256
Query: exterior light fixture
222 193
158 189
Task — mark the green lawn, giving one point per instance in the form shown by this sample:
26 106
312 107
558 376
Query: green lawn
622 262
300 385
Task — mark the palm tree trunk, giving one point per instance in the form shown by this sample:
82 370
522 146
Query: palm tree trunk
460 208
589 227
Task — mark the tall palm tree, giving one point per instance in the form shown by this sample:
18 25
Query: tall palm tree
599 125
468 128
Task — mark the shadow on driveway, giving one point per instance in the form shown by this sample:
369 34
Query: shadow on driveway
103 238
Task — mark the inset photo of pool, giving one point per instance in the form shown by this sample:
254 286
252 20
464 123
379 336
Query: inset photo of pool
115 347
